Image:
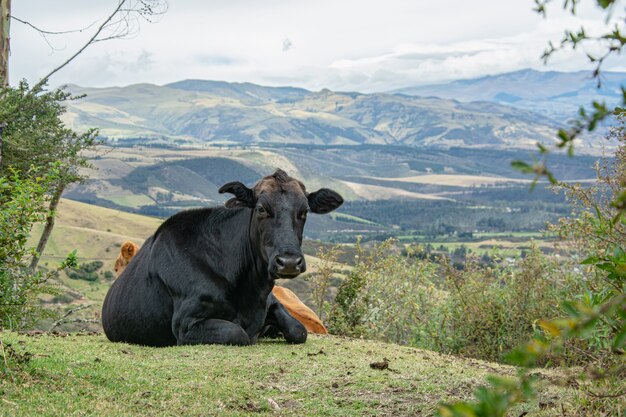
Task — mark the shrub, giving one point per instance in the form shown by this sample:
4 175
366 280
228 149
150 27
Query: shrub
321 281
386 296
22 203
479 311
86 271
490 310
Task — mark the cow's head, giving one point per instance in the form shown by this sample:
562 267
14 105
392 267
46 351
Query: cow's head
280 205
127 251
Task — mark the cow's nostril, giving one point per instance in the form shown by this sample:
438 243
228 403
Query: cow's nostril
279 261
299 262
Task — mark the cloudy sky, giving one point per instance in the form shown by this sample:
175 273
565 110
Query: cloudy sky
362 45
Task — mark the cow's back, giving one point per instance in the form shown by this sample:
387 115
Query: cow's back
137 308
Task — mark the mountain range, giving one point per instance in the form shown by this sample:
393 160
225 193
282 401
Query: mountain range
557 95
493 112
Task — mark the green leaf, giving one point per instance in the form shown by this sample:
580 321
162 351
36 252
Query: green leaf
591 260
620 338
542 148
605 3
522 167
564 136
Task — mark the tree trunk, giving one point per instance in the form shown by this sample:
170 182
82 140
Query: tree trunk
2 126
47 230
5 21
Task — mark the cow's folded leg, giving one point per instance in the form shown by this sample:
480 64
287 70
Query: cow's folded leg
213 331
278 317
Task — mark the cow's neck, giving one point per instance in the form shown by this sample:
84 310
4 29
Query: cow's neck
259 276
246 271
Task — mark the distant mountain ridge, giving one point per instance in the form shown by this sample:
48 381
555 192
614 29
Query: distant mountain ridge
555 94
485 112
241 90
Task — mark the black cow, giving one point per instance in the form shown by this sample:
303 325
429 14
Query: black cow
206 275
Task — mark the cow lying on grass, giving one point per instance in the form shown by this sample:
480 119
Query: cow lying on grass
206 275
286 297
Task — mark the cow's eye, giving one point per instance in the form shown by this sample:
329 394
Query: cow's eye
303 214
261 211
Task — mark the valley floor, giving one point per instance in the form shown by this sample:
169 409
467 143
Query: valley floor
85 374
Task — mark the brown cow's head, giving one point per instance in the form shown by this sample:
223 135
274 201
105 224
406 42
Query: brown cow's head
127 251
280 205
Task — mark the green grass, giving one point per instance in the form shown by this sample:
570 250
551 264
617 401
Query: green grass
79 374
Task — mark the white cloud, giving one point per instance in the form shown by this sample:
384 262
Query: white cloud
287 44
364 45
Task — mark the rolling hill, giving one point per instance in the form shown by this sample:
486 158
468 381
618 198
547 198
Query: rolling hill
208 112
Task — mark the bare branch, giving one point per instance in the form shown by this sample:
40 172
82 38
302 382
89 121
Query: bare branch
89 42
72 311
123 22
48 32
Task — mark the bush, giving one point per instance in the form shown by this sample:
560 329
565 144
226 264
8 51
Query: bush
321 281
478 311
86 271
22 203
490 310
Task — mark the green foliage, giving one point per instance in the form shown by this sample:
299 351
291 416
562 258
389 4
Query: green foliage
35 134
22 203
491 309
362 307
591 329
478 311
86 271
34 137
493 401
321 281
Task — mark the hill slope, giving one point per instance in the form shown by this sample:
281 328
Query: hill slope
95 232
80 374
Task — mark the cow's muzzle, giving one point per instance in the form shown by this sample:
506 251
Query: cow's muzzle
288 265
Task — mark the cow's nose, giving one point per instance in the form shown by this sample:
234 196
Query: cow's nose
289 265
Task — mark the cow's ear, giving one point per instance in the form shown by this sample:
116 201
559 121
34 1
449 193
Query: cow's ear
324 201
244 197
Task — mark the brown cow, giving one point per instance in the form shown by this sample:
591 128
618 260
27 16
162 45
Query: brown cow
287 298
127 251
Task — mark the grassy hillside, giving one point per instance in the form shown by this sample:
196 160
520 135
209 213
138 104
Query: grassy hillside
81 374
95 232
